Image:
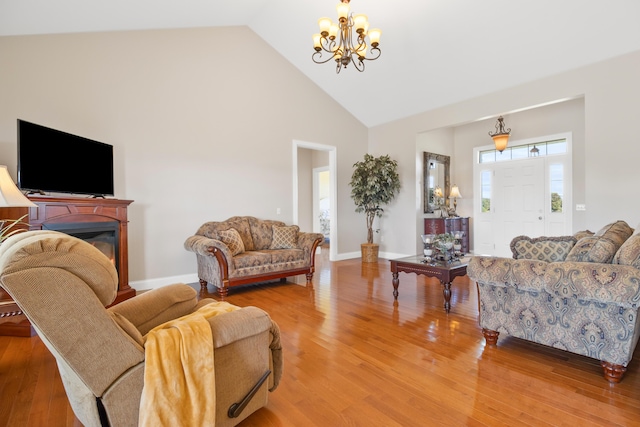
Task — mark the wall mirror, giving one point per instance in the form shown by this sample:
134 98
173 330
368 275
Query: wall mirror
436 174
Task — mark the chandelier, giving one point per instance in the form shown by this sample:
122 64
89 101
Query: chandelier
346 41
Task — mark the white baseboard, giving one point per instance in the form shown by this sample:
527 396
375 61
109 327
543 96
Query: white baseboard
385 255
391 255
144 285
347 255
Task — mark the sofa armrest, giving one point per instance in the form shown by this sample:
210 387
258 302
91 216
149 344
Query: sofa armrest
545 248
490 270
152 308
590 281
205 246
309 242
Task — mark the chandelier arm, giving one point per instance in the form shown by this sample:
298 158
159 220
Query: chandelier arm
327 44
357 63
374 50
318 54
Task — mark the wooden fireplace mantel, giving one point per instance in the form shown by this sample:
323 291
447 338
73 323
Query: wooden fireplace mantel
52 210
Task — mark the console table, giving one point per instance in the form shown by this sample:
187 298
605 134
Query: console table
56 213
449 225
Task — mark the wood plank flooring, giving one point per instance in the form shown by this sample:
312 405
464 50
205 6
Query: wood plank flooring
354 357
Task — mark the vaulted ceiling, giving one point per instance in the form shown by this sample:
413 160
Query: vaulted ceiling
434 52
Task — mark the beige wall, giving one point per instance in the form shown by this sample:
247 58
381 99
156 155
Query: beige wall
605 138
203 122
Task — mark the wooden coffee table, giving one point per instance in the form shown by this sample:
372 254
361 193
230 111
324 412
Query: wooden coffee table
444 271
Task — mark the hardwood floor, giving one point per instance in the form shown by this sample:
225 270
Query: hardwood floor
353 357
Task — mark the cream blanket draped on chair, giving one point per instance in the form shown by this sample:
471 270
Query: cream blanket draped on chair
179 371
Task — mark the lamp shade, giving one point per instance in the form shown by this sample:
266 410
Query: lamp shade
10 195
501 141
455 192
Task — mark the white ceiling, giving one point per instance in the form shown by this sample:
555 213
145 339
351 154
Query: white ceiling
434 52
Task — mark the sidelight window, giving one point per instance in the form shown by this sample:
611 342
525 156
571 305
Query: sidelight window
556 185
485 191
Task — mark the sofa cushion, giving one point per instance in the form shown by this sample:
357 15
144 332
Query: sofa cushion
262 232
548 249
232 239
284 237
252 259
602 246
241 225
629 252
286 255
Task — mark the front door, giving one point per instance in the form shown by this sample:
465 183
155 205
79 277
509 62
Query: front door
523 196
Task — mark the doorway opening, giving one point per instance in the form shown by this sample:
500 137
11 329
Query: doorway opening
322 202
307 158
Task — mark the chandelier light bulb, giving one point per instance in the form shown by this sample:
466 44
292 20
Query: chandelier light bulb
360 23
317 45
374 36
325 26
333 31
343 11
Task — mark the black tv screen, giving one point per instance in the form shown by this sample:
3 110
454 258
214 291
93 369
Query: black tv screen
50 160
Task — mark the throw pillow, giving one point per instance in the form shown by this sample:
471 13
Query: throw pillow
602 246
584 233
232 239
284 237
544 248
629 252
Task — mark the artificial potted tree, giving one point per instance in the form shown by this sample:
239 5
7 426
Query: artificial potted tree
374 183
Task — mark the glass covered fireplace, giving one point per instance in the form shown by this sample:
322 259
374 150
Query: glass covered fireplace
102 235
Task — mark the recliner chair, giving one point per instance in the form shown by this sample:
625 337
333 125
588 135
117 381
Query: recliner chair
63 285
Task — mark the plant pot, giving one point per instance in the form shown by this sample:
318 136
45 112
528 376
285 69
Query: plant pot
369 252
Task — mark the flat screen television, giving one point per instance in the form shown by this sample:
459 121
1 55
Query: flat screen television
50 160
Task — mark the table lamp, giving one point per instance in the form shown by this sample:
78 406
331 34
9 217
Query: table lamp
455 195
11 197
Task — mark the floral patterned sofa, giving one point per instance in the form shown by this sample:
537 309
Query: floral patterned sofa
577 293
244 249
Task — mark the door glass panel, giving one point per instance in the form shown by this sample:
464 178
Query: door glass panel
485 191
487 156
556 183
520 152
557 147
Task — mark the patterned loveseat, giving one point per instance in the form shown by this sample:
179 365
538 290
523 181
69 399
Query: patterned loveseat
577 293
244 249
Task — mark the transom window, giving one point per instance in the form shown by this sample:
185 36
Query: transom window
543 148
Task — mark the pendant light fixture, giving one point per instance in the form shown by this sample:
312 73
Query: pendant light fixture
500 136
